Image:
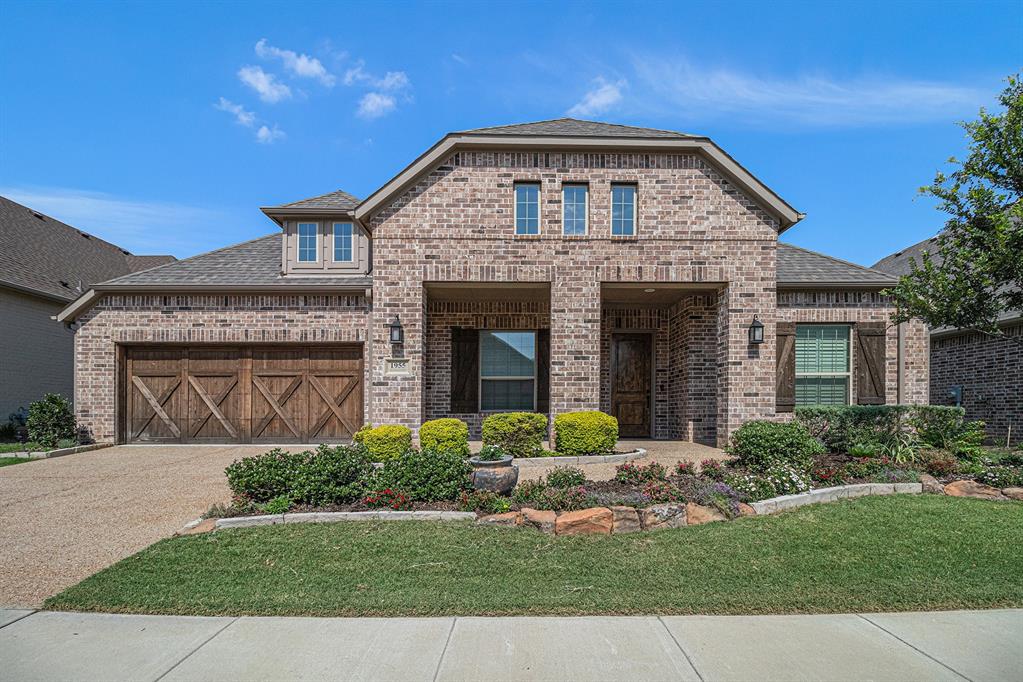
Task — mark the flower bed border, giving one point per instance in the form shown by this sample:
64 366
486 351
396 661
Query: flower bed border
334 517
638 453
839 492
58 452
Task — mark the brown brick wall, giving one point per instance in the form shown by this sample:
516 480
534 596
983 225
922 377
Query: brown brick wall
991 374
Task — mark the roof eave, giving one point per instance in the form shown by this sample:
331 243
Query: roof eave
280 213
32 291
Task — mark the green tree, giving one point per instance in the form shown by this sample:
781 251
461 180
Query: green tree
976 274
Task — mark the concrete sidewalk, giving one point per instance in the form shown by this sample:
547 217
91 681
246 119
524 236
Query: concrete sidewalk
955 645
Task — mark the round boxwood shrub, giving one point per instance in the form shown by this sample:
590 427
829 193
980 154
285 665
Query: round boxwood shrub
519 434
386 442
585 433
445 435
50 420
763 444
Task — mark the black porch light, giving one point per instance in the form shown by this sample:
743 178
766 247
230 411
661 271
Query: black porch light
397 333
756 331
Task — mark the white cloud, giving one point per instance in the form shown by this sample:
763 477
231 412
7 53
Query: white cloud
265 84
141 226
677 86
243 117
393 81
300 65
267 135
374 105
598 100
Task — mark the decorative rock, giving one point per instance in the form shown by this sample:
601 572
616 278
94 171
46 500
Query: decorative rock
512 518
593 521
1013 493
626 520
697 514
204 526
931 485
973 489
746 510
544 520
663 516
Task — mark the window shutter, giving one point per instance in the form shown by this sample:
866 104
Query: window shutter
543 371
870 363
465 370
785 387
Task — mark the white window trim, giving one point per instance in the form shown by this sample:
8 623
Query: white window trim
635 208
515 205
298 243
586 208
823 375
351 244
479 372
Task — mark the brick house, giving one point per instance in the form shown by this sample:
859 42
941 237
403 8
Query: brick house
983 374
553 266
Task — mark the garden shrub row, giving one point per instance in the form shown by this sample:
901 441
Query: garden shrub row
870 429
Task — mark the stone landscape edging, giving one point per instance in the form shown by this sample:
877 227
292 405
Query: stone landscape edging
838 492
334 517
59 452
638 453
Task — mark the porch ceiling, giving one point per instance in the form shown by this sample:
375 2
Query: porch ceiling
488 291
652 293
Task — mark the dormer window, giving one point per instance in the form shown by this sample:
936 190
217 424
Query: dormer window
343 252
307 238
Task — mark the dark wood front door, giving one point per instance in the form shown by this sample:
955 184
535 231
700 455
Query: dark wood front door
631 365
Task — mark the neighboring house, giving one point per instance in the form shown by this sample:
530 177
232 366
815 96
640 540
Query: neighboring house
982 373
44 265
553 266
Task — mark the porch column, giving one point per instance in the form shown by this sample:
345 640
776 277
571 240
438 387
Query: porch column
396 398
575 341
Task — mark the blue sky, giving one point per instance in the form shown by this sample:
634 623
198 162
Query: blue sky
164 126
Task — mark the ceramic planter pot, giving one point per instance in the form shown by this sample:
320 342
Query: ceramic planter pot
498 476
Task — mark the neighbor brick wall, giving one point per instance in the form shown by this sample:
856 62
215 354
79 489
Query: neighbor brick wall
990 371
199 319
36 352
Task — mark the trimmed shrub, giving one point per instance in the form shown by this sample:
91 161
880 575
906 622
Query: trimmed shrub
445 435
263 477
337 475
585 433
565 477
763 444
51 419
519 434
425 475
841 428
386 442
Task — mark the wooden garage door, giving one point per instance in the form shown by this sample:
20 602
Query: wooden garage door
297 394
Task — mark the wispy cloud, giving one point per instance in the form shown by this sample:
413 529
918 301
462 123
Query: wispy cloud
141 226
299 65
241 116
602 97
386 90
266 135
688 90
374 105
265 84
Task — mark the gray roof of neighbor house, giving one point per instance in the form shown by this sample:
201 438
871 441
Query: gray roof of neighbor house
572 127
49 258
337 200
898 263
797 265
255 263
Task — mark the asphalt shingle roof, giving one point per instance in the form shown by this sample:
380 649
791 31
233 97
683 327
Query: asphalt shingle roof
573 127
44 255
251 263
797 265
333 200
898 263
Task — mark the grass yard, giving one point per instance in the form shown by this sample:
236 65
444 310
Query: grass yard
20 447
8 461
873 554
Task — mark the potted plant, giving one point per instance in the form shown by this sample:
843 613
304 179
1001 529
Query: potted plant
493 470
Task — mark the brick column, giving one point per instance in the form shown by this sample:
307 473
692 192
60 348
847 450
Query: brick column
397 399
575 340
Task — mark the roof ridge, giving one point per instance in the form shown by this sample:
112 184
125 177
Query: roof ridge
356 199
573 120
837 260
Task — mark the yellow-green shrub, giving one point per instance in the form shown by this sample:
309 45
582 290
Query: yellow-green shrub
519 434
386 442
445 435
585 433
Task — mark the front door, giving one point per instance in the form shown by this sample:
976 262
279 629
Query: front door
631 365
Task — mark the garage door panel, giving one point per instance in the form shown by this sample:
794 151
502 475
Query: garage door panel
214 406
278 406
333 413
155 405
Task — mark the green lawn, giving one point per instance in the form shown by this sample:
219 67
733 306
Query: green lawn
8 461
872 554
20 447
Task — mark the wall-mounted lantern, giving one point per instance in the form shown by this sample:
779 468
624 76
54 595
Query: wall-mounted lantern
756 331
397 333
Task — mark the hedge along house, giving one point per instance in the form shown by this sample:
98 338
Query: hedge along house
554 266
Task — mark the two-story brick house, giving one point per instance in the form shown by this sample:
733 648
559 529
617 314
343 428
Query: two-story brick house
553 266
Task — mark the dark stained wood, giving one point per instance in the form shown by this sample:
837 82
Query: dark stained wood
785 384
465 369
543 371
870 363
631 366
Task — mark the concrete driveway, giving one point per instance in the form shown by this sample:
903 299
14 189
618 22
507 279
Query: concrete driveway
63 519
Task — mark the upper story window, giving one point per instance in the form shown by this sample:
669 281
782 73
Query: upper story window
623 210
822 364
343 251
527 208
507 370
574 200
307 238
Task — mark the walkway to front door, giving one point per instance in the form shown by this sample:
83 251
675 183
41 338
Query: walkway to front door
631 383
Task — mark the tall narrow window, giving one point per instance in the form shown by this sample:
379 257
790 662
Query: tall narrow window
507 370
342 242
527 208
307 235
574 211
623 210
822 364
